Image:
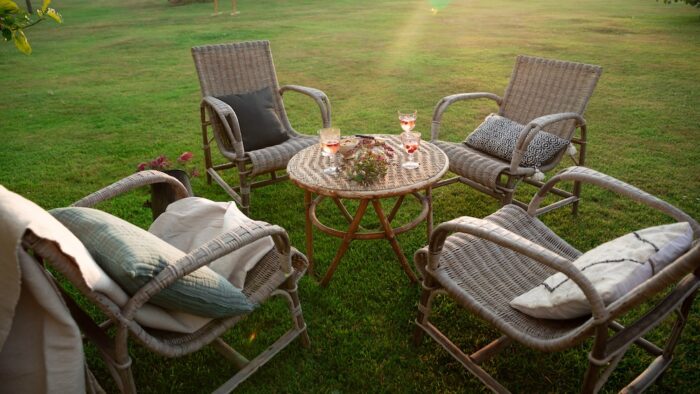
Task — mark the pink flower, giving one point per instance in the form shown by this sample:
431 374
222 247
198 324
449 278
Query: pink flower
162 163
185 157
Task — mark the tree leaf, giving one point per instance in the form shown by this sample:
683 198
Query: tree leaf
21 42
9 6
6 34
45 6
51 13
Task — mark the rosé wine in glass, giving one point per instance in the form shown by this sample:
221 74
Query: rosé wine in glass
330 143
408 120
411 142
331 146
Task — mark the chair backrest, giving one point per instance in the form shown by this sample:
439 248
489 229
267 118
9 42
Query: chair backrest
541 87
237 68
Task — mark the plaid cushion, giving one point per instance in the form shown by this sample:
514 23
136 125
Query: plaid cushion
132 257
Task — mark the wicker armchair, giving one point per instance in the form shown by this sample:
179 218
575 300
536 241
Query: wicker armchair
487 262
243 68
543 94
277 273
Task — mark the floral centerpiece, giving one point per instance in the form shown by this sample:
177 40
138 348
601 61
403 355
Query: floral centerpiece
365 159
162 163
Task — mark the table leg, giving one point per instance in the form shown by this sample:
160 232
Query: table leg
308 198
389 231
395 209
346 242
343 210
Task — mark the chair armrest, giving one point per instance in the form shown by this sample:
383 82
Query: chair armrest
131 182
498 235
324 104
228 120
587 175
535 126
218 247
446 101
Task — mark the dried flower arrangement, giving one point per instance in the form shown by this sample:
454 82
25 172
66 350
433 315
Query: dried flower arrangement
365 159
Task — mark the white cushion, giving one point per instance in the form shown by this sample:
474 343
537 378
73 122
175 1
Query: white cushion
614 268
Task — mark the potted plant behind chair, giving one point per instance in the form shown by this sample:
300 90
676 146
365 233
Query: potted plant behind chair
161 193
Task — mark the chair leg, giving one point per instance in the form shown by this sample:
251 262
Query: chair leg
245 189
662 362
205 142
577 193
297 315
510 187
424 306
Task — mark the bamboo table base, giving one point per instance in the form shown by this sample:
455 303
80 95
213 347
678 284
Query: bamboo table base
388 232
305 170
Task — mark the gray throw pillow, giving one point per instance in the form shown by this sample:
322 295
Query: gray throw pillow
498 135
132 256
260 126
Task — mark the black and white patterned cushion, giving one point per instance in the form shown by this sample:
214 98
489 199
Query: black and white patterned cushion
498 135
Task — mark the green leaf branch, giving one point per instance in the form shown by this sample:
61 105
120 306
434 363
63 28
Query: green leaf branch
13 21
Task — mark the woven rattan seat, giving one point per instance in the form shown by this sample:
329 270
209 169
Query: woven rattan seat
473 164
276 157
491 283
482 264
239 68
276 274
544 95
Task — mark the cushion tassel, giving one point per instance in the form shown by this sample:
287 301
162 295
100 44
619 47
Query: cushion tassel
537 176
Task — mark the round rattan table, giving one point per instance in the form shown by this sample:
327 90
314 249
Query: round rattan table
305 169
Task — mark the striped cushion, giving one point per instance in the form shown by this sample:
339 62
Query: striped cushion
132 257
498 135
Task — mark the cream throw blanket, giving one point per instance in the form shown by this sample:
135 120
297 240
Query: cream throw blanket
41 350
191 222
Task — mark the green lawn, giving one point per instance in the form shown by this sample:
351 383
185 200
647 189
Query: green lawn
115 85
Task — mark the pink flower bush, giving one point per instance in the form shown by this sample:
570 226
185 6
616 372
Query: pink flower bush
162 163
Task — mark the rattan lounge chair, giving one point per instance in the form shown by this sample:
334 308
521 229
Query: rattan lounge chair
543 94
243 68
482 264
277 273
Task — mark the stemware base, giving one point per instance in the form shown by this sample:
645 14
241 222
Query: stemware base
410 165
330 171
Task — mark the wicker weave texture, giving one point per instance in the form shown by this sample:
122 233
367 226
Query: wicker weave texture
469 163
305 169
237 68
495 275
541 87
277 157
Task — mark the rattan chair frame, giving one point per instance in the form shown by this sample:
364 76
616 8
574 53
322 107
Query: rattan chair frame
515 238
544 95
277 274
237 68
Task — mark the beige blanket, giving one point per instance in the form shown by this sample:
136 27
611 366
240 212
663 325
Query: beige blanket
41 349
191 222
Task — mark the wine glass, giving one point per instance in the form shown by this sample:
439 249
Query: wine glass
408 120
320 142
330 141
411 142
